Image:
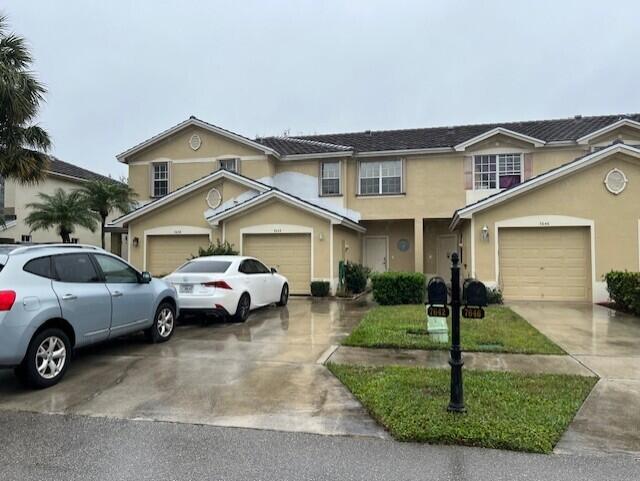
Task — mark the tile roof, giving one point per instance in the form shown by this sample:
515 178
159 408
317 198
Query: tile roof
569 129
61 167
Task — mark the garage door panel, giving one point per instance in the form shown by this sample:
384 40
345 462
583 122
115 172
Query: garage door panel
289 253
545 263
165 253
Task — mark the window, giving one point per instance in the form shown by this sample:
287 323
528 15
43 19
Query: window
115 271
229 164
75 240
40 267
381 178
25 238
213 267
75 268
160 179
330 178
497 171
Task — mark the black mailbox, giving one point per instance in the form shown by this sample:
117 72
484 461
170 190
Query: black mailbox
437 292
474 293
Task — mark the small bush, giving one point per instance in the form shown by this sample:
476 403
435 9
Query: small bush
355 277
390 288
218 249
320 288
494 295
624 290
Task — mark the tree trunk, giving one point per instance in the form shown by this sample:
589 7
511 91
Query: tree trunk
66 239
102 224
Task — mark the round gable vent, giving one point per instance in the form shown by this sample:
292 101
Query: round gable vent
214 198
615 181
195 142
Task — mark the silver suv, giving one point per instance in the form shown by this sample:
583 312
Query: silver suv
54 298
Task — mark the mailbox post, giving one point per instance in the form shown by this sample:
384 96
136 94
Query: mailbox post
456 402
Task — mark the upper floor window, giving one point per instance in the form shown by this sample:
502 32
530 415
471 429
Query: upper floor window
499 171
330 178
229 164
380 177
160 179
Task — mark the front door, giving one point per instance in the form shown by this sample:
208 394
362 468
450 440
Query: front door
447 245
131 301
84 299
375 253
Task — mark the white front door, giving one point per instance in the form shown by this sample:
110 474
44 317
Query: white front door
375 253
447 245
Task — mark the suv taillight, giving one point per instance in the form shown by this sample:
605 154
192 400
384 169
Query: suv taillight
7 298
218 284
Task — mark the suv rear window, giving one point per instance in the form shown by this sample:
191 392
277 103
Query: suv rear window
216 267
40 267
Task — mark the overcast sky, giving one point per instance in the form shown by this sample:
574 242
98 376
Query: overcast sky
119 72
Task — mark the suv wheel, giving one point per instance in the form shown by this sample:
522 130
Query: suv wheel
163 324
47 359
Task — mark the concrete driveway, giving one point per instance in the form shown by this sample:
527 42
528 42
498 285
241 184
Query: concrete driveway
608 343
265 373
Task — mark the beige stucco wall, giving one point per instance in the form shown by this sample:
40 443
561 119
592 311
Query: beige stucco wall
582 195
278 214
395 230
18 196
187 211
187 165
347 246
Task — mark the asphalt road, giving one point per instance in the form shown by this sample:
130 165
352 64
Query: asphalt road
40 446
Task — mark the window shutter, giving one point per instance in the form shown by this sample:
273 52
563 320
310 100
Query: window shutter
468 172
528 166
150 180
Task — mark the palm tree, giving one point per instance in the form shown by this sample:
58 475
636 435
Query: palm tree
105 196
23 145
63 212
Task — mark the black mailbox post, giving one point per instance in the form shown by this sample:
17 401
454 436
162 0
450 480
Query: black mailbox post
437 292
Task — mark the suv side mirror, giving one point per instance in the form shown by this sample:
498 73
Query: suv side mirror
274 270
145 278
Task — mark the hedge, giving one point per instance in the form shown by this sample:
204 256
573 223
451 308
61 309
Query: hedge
391 288
355 277
320 288
624 290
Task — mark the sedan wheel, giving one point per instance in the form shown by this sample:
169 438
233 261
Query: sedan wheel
284 295
244 306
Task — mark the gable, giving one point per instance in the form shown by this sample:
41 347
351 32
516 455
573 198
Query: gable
501 132
499 142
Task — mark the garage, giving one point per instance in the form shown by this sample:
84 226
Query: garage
550 263
289 253
166 252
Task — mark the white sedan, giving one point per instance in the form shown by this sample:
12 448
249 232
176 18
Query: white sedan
227 285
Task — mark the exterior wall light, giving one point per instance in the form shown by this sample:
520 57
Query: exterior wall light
136 241
484 233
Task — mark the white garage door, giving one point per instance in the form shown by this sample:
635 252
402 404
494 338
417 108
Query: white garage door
545 263
166 252
289 253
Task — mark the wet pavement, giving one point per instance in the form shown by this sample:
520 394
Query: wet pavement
608 343
483 361
266 373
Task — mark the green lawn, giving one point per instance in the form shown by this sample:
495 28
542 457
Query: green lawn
502 330
504 410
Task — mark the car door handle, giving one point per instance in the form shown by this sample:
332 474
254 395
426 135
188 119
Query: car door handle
116 294
69 297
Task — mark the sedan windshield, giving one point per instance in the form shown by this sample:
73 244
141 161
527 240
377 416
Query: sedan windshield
216 267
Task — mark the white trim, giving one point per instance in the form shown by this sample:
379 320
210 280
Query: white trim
196 123
259 199
321 177
175 230
152 178
467 212
624 178
364 249
331 257
497 155
473 247
277 229
186 190
544 222
129 244
499 130
380 177
8 225
609 128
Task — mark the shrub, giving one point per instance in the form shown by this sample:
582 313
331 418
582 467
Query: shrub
355 277
624 290
494 295
217 249
320 288
398 288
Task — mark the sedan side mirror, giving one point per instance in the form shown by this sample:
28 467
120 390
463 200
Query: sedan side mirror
274 270
145 278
